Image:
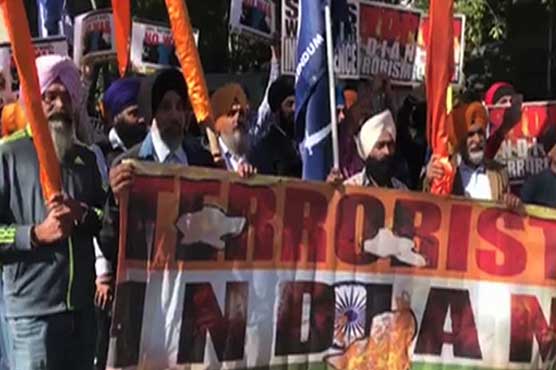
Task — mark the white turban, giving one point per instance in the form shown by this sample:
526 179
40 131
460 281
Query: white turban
371 130
53 67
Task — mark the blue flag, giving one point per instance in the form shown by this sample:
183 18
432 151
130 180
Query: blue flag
312 107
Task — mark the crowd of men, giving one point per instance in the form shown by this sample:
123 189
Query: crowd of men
58 255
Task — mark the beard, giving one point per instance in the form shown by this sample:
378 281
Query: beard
172 135
131 134
476 157
62 135
237 141
381 170
287 123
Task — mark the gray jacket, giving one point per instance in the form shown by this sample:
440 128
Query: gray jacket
50 279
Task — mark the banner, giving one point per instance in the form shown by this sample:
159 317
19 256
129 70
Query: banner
388 40
216 272
94 39
255 17
346 54
520 152
459 49
43 46
152 47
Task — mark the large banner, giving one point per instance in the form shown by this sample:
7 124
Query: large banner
520 152
94 37
215 272
8 69
388 40
346 53
459 49
253 17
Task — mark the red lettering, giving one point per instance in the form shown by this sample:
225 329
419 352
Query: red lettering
405 212
515 256
463 337
305 212
258 205
549 231
348 249
458 237
528 321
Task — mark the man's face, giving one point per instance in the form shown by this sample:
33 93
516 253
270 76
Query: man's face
170 119
56 102
233 127
130 116
130 126
384 148
287 109
475 144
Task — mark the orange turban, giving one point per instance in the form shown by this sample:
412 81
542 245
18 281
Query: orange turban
13 119
463 117
350 97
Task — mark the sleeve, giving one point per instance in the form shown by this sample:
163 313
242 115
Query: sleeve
13 237
92 221
264 113
110 230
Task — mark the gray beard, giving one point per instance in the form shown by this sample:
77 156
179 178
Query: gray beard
476 158
62 138
237 142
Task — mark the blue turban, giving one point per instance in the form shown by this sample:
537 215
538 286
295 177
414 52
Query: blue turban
121 94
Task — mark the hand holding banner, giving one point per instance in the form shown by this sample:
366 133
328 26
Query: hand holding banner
24 55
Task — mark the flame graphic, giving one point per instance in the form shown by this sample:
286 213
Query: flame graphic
387 347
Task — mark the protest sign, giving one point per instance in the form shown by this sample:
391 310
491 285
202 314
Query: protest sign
94 37
43 46
223 273
255 17
459 49
520 151
152 47
346 52
388 40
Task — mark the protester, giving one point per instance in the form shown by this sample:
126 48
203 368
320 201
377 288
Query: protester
13 118
230 107
47 246
277 152
499 93
477 177
376 145
541 188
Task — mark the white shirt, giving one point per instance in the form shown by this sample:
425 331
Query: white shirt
475 182
114 139
163 153
232 160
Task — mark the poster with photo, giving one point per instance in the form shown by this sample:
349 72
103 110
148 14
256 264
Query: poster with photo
94 37
253 17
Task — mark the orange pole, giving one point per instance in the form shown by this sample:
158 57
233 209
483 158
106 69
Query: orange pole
122 29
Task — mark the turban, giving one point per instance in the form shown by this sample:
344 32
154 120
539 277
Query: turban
120 95
225 97
497 91
548 138
13 118
154 87
53 67
279 91
463 117
371 130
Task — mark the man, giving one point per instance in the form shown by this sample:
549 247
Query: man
477 177
376 145
277 152
230 107
541 189
46 249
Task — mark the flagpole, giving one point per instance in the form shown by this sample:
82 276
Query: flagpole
331 84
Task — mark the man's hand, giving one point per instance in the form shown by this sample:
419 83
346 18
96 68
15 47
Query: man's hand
513 203
121 178
246 170
512 115
435 170
335 177
56 227
103 295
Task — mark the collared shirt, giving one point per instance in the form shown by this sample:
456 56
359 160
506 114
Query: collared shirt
163 154
232 160
115 141
475 182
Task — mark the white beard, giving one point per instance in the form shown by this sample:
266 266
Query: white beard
476 158
237 142
62 138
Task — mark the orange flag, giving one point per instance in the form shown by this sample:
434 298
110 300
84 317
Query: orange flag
16 22
190 61
122 30
439 72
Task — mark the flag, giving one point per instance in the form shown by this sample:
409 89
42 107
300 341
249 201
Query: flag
122 31
24 56
439 72
312 105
